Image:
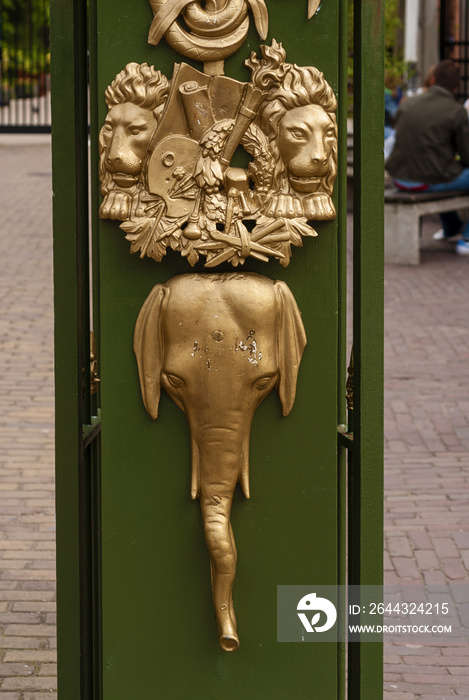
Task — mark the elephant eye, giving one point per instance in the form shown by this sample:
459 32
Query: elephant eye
174 381
263 383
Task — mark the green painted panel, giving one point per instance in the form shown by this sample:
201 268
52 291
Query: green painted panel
159 628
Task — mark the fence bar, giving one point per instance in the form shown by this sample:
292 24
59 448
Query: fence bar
365 663
342 325
70 186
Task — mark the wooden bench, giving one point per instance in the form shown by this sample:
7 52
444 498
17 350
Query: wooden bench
403 212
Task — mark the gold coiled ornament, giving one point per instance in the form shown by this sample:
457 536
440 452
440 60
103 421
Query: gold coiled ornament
210 33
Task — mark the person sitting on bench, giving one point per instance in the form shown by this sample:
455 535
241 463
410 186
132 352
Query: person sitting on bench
431 153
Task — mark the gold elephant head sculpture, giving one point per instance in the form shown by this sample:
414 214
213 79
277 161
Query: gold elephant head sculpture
219 344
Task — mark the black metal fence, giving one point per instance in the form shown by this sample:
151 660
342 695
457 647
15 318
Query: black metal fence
24 66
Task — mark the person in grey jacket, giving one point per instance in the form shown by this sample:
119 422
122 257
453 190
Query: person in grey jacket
431 153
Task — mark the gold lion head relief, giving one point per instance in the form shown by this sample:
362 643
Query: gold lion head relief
135 100
299 120
166 151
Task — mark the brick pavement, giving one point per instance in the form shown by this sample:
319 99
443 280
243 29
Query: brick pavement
427 454
27 527
426 426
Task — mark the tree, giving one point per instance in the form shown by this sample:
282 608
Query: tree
24 43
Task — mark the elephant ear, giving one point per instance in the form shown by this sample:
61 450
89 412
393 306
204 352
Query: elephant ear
148 347
291 343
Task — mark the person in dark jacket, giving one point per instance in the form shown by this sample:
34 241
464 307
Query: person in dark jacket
432 146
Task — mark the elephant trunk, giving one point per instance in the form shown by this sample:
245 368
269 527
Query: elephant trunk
220 459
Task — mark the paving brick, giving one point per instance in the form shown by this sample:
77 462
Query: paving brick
16 617
425 660
21 643
434 578
391 677
32 606
37 585
405 669
29 683
447 696
32 656
445 547
453 569
440 678
441 690
420 539
17 669
48 670
406 568
426 559
28 630
398 546
461 539
456 651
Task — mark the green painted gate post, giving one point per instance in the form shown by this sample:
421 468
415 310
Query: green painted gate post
70 178
366 473
132 564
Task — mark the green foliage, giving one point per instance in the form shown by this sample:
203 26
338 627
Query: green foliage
394 63
24 40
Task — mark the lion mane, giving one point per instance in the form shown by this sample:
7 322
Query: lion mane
300 86
142 85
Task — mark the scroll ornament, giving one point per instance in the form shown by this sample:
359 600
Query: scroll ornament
167 149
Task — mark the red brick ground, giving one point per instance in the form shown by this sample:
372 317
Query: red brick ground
427 454
426 427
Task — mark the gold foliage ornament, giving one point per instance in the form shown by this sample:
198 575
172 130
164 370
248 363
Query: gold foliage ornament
166 147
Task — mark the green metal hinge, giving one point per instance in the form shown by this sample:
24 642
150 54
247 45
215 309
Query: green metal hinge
344 431
345 438
91 431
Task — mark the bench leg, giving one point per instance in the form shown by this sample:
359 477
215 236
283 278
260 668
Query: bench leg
402 235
